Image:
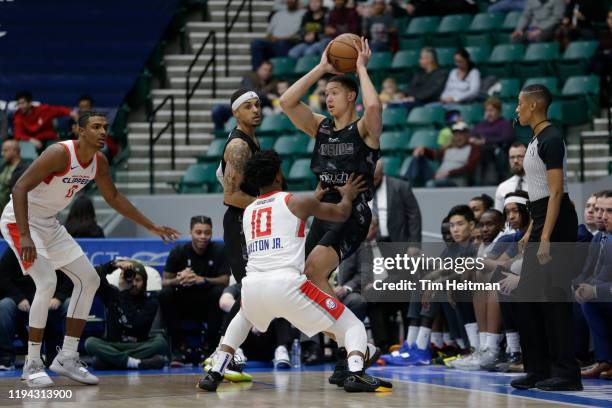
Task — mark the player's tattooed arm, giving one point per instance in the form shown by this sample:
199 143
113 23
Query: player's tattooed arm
237 153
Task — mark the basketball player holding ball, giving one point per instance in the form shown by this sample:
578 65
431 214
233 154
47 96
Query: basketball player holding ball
344 144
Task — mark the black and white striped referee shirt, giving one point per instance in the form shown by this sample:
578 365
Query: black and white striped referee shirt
545 152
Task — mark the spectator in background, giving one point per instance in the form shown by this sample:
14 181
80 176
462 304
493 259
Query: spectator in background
316 100
589 227
516 155
194 277
281 87
480 204
261 82
15 309
85 103
440 7
602 61
35 123
463 83
458 160
539 20
391 95
312 29
379 26
445 136
494 135
599 221
505 6
282 35
428 84
341 20
578 21
81 221
131 311
10 171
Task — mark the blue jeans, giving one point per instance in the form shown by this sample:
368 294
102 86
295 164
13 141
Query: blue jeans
504 6
220 115
304 49
262 50
597 315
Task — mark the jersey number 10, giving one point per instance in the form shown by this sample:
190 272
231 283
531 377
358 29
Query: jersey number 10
256 224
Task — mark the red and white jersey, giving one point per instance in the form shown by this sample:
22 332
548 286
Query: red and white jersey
58 190
274 236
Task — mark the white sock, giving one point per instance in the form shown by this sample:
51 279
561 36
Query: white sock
133 362
472 332
447 339
493 341
411 336
71 344
355 363
222 360
33 350
422 341
437 339
461 343
482 340
514 343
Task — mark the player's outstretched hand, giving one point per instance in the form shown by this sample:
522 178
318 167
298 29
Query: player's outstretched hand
325 64
353 187
363 53
166 233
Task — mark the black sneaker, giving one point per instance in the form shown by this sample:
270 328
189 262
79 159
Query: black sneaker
341 371
366 383
526 382
156 362
210 381
559 384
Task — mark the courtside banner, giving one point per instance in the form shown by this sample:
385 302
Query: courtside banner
440 272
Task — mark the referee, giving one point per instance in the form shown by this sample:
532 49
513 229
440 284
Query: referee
544 312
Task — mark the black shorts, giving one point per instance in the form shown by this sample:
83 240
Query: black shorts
344 237
235 244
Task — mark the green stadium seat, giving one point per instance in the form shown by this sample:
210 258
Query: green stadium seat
581 85
28 151
379 65
275 124
446 56
214 152
472 113
477 40
401 24
575 59
305 64
552 83
300 177
405 61
555 113
509 110
283 67
479 54
311 144
230 124
579 92
392 165
394 118
292 146
418 31
510 88
538 60
394 143
199 178
501 59
286 165
405 164
449 30
502 36
425 116
424 138
485 22
266 142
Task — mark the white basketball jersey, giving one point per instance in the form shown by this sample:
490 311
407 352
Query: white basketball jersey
274 235
58 190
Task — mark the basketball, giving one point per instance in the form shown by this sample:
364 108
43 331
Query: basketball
342 53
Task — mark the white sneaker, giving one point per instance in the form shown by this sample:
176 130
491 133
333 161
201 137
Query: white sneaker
69 365
488 357
472 363
281 358
239 355
34 374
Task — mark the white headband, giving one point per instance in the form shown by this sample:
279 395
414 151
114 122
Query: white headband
243 98
515 200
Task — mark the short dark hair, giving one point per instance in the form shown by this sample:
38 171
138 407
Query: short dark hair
463 53
486 200
85 116
199 219
462 210
264 62
540 92
517 144
27 95
347 82
85 97
604 194
498 214
262 168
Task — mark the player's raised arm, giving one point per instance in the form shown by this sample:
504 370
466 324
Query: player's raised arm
299 113
370 127
123 206
304 207
237 153
53 160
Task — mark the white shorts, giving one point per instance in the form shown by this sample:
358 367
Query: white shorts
51 239
285 294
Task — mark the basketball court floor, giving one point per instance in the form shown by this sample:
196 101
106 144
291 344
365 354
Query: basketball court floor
413 387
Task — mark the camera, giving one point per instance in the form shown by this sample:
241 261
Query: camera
128 274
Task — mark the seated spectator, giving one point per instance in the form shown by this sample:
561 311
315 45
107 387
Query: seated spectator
593 290
281 87
10 171
506 6
458 161
312 29
428 84
602 61
539 21
35 123
194 277
390 94
379 26
516 155
578 21
599 213
445 136
440 7
589 227
15 307
260 81
480 204
282 35
494 135
463 83
131 311
340 20
81 221
316 100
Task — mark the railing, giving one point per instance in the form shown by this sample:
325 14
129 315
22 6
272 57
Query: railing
190 90
154 139
230 25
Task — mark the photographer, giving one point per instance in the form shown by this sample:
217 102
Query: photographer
130 314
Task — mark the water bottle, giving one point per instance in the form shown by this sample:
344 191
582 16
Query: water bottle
296 354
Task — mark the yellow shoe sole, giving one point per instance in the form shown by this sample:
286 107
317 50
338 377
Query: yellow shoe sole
233 376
